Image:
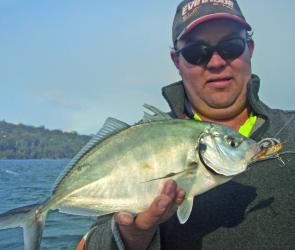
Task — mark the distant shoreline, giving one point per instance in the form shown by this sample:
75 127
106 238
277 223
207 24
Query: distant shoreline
23 142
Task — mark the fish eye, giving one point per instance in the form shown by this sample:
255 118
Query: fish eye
232 142
202 147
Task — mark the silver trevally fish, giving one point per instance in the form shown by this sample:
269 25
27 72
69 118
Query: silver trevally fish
123 168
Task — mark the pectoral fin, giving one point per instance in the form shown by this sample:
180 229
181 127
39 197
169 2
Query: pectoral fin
185 210
170 175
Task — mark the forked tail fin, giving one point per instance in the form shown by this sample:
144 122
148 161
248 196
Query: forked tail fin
31 219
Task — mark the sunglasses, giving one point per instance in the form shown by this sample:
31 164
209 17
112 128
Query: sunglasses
200 53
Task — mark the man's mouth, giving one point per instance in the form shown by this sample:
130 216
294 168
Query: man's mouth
219 82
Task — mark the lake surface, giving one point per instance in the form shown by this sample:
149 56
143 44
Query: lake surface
26 182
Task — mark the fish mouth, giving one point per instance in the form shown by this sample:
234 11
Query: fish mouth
267 153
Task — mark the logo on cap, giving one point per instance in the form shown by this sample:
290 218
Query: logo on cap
193 6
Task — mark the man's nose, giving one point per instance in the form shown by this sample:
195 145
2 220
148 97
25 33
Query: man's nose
216 61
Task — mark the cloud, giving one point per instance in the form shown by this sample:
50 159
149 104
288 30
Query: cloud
55 96
58 99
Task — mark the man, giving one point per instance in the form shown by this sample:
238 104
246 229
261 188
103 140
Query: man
212 52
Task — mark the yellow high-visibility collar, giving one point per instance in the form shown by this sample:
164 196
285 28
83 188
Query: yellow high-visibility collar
245 129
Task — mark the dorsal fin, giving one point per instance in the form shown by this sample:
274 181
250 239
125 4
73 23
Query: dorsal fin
157 115
111 127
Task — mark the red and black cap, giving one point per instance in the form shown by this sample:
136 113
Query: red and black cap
189 14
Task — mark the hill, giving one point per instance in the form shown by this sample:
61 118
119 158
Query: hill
28 142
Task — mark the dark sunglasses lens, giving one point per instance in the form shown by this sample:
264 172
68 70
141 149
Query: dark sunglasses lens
231 49
196 54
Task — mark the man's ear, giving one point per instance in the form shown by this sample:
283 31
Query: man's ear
174 58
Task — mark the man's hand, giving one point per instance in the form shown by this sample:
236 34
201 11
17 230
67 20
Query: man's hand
137 231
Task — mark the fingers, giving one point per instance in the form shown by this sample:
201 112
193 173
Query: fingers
151 217
169 188
180 196
140 229
161 209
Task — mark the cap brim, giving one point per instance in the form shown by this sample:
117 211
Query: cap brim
212 17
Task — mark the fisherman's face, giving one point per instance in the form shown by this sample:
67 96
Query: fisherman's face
217 89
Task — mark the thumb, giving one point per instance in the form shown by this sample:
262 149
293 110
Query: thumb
124 218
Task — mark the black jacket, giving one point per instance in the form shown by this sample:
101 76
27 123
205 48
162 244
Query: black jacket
255 210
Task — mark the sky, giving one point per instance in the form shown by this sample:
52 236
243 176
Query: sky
70 64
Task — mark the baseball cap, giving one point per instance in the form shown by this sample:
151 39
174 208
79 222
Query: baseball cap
189 14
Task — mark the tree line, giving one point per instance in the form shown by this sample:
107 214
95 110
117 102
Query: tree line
28 142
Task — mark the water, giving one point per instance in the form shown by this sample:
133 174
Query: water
26 182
